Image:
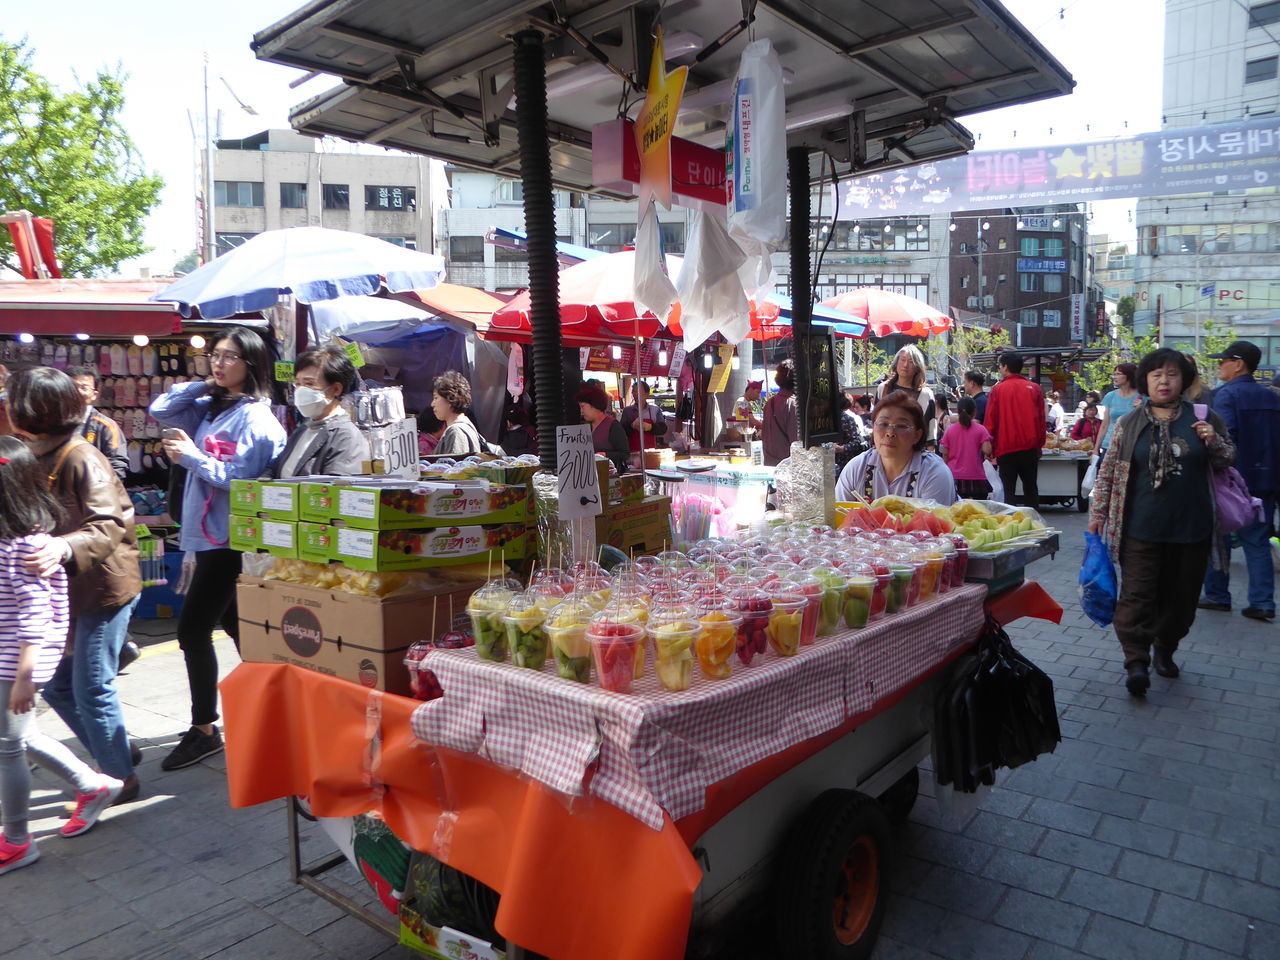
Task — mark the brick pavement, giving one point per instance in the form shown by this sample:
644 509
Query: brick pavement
1153 831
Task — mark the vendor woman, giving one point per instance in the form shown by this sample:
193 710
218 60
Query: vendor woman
606 432
897 463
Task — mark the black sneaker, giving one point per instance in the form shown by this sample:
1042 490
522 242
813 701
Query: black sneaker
1253 613
129 792
135 753
193 748
129 652
1214 605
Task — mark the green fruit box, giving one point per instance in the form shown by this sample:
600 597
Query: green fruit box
263 535
381 550
272 498
392 505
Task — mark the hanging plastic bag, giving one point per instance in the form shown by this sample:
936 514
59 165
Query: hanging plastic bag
711 297
993 477
654 290
756 166
1097 582
1090 477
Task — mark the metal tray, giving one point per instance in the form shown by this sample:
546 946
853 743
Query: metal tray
998 566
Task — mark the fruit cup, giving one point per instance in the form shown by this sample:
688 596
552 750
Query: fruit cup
859 593
486 608
811 590
422 682
716 639
962 557
754 607
931 574
880 594
566 628
900 575
613 650
525 620
629 605
832 608
786 620
673 640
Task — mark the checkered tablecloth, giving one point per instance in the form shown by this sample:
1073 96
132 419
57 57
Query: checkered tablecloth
656 750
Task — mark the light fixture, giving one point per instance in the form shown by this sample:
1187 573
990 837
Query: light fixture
662 358
707 362
919 228
986 224
26 338
1021 225
857 228
952 228
818 113
888 228
1057 222
197 341
579 78
141 339
616 351
82 336
735 363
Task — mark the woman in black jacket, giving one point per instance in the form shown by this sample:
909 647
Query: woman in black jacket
326 443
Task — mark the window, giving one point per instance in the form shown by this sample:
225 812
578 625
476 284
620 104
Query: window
1053 318
612 237
1002 278
466 249
336 196
1255 71
964 282
1264 14
390 198
509 255
1029 318
1030 247
293 196
1052 283
229 241
673 237
409 243
1029 282
511 191
1052 248
1002 243
964 247
237 193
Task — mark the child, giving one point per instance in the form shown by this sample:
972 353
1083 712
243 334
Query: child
33 630
964 446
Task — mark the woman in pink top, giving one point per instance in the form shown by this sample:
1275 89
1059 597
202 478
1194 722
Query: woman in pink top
964 446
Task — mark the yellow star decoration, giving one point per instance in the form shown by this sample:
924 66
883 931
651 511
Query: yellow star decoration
1068 164
655 124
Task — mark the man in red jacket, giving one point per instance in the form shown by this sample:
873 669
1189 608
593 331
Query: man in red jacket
1015 420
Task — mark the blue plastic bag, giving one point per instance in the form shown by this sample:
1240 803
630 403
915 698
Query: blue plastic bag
1097 582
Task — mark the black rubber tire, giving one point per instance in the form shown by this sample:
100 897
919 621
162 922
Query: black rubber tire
812 876
900 798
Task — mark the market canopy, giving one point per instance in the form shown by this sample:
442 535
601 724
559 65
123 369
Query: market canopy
877 84
99 308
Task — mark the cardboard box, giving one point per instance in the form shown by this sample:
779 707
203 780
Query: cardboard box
263 535
412 549
271 498
643 527
369 504
361 639
625 487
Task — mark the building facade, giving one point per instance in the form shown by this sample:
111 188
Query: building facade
278 178
1211 259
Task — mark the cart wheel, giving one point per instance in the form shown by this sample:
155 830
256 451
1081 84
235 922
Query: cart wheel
898 800
834 879
1082 504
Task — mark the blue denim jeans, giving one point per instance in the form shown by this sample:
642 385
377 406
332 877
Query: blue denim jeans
83 689
1255 539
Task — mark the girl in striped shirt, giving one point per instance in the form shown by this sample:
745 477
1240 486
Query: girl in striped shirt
33 632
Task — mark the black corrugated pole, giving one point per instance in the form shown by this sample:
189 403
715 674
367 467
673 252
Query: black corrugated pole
801 287
540 229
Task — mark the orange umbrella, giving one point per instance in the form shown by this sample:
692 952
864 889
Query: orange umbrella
887 312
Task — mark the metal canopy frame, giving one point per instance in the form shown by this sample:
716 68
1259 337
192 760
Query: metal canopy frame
435 76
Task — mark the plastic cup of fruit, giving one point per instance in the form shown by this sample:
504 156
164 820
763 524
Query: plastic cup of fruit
613 651
811 589
630 607
962 556
673 559
673 641
831 609
566 628
931 574
553 581
859 594
755 607
716 640
786 620
525 620
901 574
423 684
880 593
486 609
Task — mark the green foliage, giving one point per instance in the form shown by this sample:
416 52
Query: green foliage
67 157
871 363
968 342
1127 346
1125 309
187 264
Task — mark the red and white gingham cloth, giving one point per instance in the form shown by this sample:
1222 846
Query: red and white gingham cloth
657 750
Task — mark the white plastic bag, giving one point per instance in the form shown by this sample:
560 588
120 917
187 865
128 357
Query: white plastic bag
654 290
756 165
1090 475
993 478
711 297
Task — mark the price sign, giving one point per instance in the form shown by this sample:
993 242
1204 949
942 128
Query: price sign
677 361
577 482
352 350
284 371
402 449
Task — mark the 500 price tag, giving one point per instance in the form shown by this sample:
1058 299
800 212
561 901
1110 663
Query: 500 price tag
402 449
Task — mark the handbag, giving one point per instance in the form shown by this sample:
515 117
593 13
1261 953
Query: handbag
1237 508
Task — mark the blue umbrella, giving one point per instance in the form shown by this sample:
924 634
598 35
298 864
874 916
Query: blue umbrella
843 323
312 263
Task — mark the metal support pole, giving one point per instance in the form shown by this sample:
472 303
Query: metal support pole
540 227
801 284
210 250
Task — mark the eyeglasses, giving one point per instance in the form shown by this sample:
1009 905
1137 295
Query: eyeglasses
884 426
216 357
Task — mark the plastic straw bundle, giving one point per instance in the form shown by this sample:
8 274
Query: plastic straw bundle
694 517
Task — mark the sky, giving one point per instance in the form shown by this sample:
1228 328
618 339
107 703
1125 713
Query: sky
1113 48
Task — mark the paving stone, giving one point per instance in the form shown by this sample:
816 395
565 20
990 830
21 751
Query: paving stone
1108 801
1063 816
1155 787
273 943
1180 818
913 921
952 850
1026 873
1262 941
1253 900
966 939
351 939
303 911
1160 874
1224 858
1136 836
960 892
1004 832
1042 917
1115 898
1229 804
1112 939
1200 923
133 941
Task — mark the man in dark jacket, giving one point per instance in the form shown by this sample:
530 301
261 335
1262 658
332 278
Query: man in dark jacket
99 429
973 384
1251 412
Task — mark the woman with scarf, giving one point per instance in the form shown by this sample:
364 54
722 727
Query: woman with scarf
1153 503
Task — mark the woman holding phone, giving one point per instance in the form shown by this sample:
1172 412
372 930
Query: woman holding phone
220 429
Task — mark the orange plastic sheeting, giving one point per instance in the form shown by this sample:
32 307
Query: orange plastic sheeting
579 878
1027 599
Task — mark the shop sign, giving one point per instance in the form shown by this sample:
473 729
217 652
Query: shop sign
1077 317
697 172
1041 265
1039 224
577 483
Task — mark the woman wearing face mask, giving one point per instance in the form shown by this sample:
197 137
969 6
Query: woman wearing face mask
327 443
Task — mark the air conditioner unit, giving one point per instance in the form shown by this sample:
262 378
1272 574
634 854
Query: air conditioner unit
971 303
989 301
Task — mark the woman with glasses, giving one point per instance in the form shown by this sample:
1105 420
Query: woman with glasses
897 463
221 429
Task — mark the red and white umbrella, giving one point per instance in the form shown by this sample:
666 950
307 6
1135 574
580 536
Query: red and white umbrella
887 312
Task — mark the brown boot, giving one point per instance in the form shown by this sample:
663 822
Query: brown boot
1163 662
1137 679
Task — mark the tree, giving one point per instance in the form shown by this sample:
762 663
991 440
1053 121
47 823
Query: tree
67 157
187 264
1129 347
1125 309
968 342
871 363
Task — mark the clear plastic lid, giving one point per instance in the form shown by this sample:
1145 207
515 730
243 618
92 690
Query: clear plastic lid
584 567
786 593
618 620
528 609
750 601
571 612
806 583
673 559
493 597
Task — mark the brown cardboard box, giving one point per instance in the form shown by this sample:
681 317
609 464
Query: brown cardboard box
644 527
361 639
